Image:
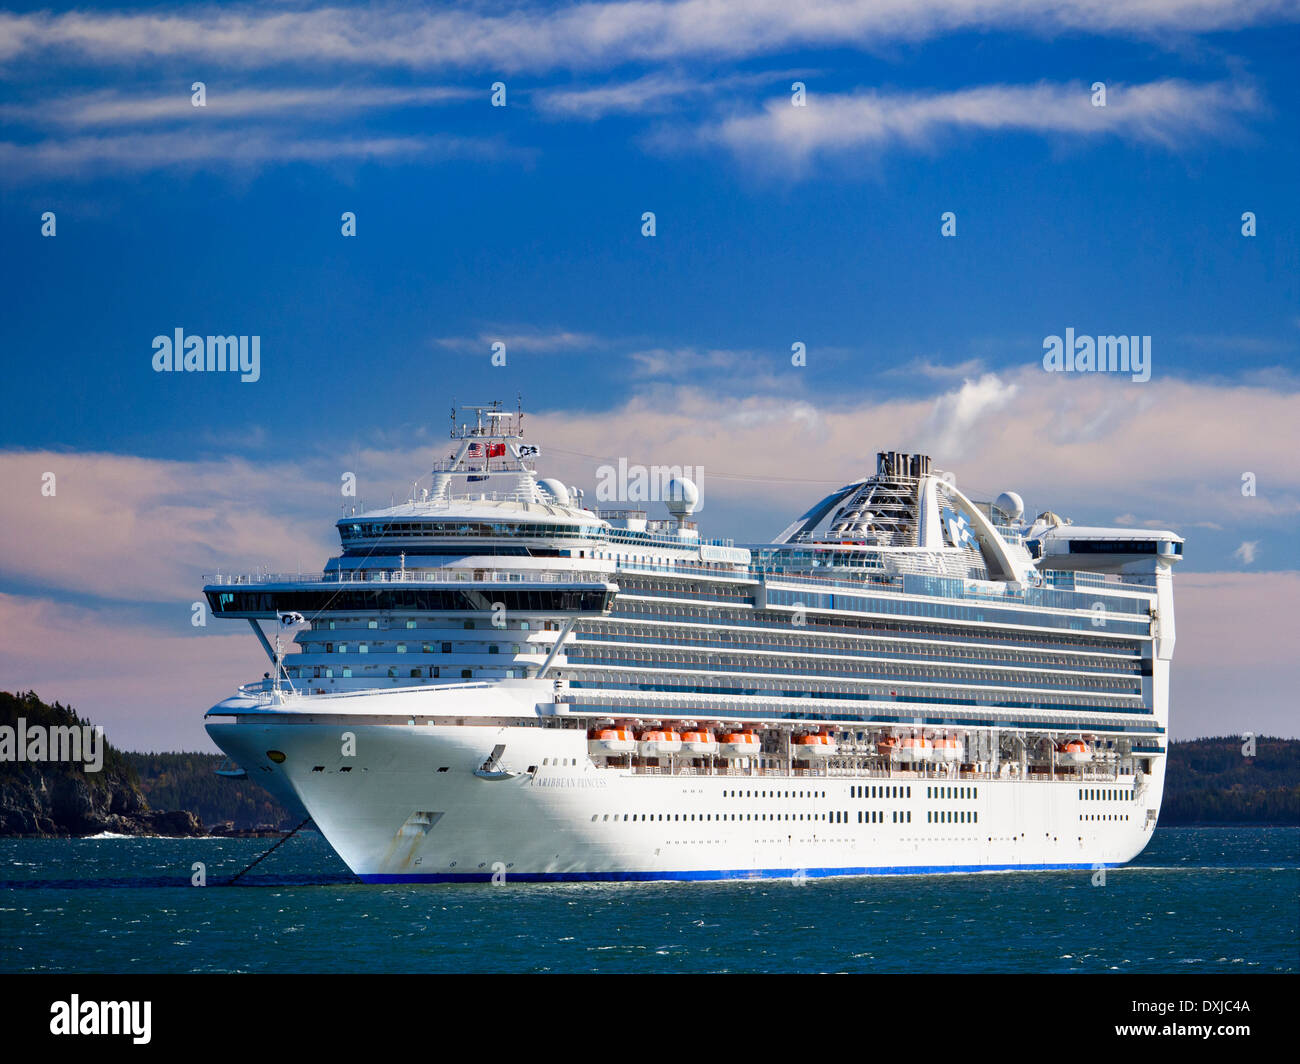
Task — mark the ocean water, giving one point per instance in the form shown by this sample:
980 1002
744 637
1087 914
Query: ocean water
1197 900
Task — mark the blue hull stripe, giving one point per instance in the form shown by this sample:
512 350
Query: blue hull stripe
713 874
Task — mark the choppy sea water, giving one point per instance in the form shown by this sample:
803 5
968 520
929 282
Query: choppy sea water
1197 900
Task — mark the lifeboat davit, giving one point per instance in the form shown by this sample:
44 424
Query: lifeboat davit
915 748
699 743
888 747
739 744
662 742
947 750
610 742
1075 752
812 747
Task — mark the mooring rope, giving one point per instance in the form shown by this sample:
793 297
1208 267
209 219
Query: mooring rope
278 843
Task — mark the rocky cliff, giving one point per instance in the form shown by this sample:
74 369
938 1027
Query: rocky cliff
47 797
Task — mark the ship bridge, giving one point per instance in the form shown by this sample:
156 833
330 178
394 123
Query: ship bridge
1101 550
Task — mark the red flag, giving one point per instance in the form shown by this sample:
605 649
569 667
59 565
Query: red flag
496 450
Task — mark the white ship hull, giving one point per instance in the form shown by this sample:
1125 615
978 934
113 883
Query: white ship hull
413 804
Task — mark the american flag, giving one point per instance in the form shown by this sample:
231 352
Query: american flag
475 450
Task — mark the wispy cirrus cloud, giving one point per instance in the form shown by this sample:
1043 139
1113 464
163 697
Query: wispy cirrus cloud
931 370
535 37
653 94
523 338
1164 113
111 108
94 156
683 361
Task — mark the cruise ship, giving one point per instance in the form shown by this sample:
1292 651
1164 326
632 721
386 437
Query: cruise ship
494 681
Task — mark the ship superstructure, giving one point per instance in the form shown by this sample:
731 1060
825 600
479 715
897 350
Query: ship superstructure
495 679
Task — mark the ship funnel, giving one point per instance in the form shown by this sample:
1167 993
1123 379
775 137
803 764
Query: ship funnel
896 465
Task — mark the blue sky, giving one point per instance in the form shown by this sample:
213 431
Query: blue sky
775 224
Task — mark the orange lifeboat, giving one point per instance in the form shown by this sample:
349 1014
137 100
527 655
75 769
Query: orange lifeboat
661 742
699 743
914 749
812 747
1075 752
739 744
888 747
947 750
610 742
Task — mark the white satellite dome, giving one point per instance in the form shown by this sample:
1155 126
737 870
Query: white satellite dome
1010 504
682 497
555 489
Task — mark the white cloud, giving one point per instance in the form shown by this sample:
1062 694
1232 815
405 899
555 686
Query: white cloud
533 37
651 94
655 93
92 156
931 370
689 361
963 412
1165 113
1247 551
521 338
111 108
145 530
